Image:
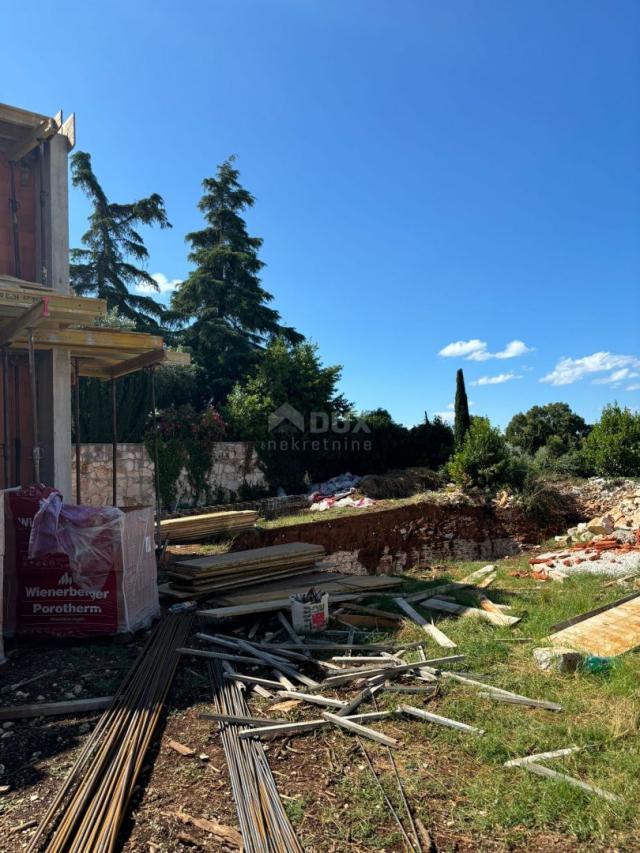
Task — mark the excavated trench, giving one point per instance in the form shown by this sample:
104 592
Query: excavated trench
394 539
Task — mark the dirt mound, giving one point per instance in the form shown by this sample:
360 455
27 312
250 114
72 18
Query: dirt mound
400 484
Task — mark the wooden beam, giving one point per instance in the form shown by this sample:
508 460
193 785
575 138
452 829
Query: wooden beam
428 627
442 721
41 132
30 318
24 118
99 338
46 709
156 356
363 731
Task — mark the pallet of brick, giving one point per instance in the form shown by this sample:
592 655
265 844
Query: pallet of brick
193 528
243 568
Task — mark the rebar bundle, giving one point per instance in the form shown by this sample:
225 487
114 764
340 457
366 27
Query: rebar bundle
86 814
264 824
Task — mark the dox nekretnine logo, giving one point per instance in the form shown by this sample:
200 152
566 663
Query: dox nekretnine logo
329 431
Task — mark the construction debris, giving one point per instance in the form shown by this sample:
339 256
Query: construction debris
207 575
530 763
607 631
558 659
194 528
89 808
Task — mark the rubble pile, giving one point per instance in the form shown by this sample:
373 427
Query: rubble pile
619 521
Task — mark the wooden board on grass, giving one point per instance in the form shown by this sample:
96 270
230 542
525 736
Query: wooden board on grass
606 632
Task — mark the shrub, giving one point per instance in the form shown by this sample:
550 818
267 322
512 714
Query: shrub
485 459
612 448
551 465
185 440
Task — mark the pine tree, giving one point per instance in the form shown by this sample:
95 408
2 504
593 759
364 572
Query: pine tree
462 419
106 266
230 320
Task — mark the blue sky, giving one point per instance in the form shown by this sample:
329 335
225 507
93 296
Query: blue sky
439 185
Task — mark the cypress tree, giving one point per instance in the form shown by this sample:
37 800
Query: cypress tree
230 319
462 419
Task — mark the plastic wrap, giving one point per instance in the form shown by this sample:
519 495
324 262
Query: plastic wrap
84 533
76 570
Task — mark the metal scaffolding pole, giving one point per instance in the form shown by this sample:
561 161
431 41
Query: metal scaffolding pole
5 417
34 407
156 465
76 421
114 443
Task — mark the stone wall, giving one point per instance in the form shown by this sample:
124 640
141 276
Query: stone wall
233 463
413 536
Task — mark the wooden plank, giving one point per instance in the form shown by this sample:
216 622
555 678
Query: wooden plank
548 773
313 699
358 729
40 133
241 720
521 700
429 628
29 319
201 653
264 607
606 632
461 610
289 729
441 721
543 756
253 679
51 709
391 671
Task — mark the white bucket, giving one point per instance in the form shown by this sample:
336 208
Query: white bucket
310 617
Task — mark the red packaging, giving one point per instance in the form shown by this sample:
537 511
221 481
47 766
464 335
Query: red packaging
40 595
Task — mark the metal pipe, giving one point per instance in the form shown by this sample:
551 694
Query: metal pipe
156 463
17 441
114 443
5 418
13 206
76 419
34 407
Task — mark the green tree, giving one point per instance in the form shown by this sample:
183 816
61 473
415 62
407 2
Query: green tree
292 376
461 408
612 447
554 423
431 443
484 459
222 300
113 250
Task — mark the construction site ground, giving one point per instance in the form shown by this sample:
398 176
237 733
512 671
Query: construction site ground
455 782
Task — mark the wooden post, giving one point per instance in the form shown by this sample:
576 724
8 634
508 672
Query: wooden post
114 443
156 463
5 416
34 408
76 420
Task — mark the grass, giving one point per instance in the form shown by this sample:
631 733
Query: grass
309 516
601 713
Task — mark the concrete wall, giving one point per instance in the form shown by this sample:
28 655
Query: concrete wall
232 464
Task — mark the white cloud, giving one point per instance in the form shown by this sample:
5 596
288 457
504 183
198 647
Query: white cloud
617 376
635 387
165 285
497 380
570 370
514 349
463 349
476 350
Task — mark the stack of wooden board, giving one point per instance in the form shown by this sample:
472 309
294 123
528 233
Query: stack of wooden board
226 572
191 528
